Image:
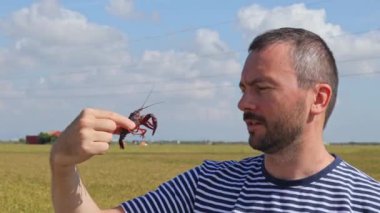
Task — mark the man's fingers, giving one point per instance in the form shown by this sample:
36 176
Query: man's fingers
99 148
120 120
88 134
105 125
102 137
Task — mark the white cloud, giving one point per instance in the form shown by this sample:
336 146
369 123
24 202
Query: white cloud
125 9
357 53
121 8
169 63
255 19
193 74
209 42
50 40
196 74
46 21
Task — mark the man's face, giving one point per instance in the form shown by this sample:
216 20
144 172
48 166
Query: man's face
273 105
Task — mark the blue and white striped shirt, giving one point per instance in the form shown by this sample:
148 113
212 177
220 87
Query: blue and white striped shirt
245 186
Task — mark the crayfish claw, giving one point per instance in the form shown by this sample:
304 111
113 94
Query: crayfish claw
154 121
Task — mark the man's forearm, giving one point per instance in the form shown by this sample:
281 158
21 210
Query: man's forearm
68 192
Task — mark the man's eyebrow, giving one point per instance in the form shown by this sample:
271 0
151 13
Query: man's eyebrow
256 81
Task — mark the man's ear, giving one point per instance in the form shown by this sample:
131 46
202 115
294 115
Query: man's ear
322 94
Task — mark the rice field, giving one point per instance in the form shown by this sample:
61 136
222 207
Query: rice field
123 174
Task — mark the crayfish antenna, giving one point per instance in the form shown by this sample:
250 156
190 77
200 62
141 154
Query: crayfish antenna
160 102
151 90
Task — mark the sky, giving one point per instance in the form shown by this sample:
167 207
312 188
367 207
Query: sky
59 57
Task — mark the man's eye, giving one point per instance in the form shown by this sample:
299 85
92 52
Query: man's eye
263 88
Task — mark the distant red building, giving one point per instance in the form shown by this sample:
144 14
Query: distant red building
32 139
55 133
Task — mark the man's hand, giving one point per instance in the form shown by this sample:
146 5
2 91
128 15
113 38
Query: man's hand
88 135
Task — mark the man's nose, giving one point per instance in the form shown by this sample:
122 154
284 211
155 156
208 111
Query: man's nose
246 103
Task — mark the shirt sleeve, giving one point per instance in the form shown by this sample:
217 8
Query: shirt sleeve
175 195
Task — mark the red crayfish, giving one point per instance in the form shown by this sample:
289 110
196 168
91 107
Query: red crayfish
149 120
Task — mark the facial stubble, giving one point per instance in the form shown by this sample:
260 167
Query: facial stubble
280 133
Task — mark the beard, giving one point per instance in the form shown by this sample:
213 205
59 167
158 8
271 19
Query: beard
280 133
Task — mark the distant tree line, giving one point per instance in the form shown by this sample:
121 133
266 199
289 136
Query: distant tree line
45 138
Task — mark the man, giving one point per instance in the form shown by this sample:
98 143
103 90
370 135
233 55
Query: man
289 88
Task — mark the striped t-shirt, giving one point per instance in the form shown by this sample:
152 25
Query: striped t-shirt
245 186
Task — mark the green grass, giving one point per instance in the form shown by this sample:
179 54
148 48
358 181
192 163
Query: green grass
123 174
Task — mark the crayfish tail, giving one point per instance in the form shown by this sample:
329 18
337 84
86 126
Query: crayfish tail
123 134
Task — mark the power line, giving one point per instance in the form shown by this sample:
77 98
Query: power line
147 82
137 64
359 59
173 80
161 91
184 30
115 93
231 52
359 74
130 66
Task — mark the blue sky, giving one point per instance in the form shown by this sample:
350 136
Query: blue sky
58 57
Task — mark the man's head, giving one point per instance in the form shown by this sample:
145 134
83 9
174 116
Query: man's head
313 61
289 76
